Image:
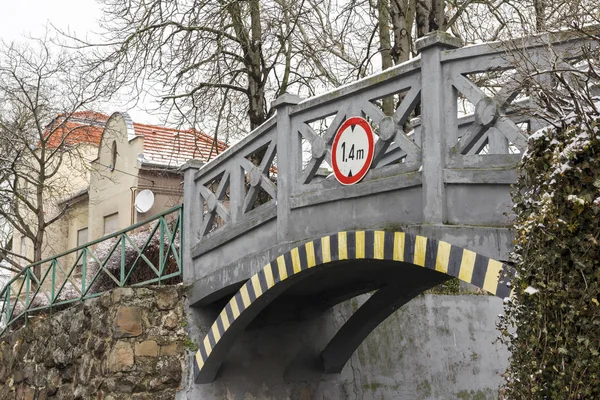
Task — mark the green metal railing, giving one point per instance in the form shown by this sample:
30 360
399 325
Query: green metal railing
115 260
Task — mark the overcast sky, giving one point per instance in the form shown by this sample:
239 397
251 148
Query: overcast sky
29 17
22 18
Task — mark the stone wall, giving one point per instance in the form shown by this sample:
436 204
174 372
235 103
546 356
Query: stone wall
125 344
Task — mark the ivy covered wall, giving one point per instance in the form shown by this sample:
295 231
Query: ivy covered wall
552 326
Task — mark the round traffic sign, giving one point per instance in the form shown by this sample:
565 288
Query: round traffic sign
352 150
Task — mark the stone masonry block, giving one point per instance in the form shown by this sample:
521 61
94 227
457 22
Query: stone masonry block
171 321
54 382
120 357
105 300
148 348
167 298
29 393
128 322
119 294
171 349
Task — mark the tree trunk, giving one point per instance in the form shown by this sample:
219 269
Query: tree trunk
423 8
37 255
430 16
385 47
437 17
256 83
41 213
252 55
540 15
403 13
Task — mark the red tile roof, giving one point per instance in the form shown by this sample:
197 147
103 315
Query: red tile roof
173 147
80 127
162 146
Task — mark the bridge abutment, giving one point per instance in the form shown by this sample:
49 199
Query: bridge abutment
435 347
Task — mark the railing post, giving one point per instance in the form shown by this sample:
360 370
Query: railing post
433 97
9 313
27 288
83 274
179 226
285 162
192 217
8 303
122 269
161 250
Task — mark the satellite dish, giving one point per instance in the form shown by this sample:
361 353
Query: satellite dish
144 201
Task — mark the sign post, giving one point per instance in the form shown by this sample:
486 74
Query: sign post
352 150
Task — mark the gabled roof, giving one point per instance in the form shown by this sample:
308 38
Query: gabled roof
172 147
166 147
80 127
76 197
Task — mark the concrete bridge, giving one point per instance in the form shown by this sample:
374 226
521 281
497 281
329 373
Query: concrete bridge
271 233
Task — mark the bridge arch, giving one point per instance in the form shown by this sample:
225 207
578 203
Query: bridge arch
441 258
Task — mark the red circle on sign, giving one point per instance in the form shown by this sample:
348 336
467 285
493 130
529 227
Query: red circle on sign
351 180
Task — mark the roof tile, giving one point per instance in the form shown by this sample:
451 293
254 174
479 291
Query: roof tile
162 146
80 127
173 147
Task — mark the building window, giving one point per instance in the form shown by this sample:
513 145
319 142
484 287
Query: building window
82 238
111 223
113 159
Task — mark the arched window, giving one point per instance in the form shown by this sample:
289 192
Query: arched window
113 156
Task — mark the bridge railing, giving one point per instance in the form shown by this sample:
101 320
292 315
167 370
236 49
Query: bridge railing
315 121
451 117
149 252
238 190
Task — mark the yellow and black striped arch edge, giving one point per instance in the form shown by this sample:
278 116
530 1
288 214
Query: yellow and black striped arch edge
486 273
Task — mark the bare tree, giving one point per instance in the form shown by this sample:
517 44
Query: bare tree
505 19
217 65
42 148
